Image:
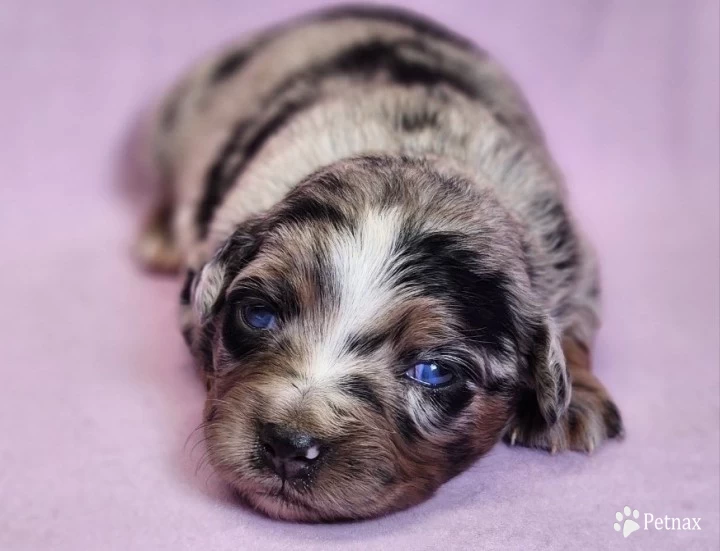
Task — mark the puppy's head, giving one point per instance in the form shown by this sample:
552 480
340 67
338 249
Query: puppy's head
367 339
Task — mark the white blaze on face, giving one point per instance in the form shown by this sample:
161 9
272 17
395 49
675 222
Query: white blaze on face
361 263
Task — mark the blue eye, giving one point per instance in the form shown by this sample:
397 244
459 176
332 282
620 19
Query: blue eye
429 374
260 317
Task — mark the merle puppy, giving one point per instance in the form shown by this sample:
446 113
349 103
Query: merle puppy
382 276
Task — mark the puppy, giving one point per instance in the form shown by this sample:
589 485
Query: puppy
382 278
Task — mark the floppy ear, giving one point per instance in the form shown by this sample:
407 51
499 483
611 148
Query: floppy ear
548 372
204 292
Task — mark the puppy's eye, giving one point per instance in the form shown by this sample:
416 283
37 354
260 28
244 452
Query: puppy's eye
429 374
259 317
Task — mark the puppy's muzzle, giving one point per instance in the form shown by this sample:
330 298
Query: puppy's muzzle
288 452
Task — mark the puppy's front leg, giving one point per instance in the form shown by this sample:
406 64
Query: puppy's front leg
156 248
591 418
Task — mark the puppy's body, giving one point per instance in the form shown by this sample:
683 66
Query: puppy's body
386 178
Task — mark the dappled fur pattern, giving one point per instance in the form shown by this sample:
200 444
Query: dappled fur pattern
381 185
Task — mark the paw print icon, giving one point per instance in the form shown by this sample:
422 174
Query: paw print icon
625 521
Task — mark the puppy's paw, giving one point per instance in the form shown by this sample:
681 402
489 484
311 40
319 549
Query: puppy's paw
590 419
155 248
157 253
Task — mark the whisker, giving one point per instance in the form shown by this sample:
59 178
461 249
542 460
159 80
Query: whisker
202 425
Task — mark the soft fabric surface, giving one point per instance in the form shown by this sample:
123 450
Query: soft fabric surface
98 396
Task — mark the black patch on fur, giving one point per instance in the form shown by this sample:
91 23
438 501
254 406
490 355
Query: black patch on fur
219 178
230 64
302 209
496 386
612 419
242 341
377 161
418 23
238 58
452 401
239 340
408 429
527 414
242 245
562 389
443 267
244 144
365 344
418 121
404 62
423 69
361 388
271 126
187 286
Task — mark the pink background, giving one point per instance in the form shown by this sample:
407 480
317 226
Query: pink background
98 396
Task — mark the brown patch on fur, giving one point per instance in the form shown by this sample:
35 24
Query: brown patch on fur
577 356
489 415
417 320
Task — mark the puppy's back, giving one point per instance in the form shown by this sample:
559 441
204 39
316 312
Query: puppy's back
249 90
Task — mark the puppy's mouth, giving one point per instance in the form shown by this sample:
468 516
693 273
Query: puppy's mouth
286 496
279 496
284 493
284 503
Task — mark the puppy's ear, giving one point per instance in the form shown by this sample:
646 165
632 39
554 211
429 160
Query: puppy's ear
548 372
204 293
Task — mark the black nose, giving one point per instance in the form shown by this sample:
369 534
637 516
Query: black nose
288 452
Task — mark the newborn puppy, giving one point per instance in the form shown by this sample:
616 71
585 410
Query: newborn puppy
382 276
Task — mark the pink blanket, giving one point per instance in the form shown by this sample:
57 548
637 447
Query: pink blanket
98 395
